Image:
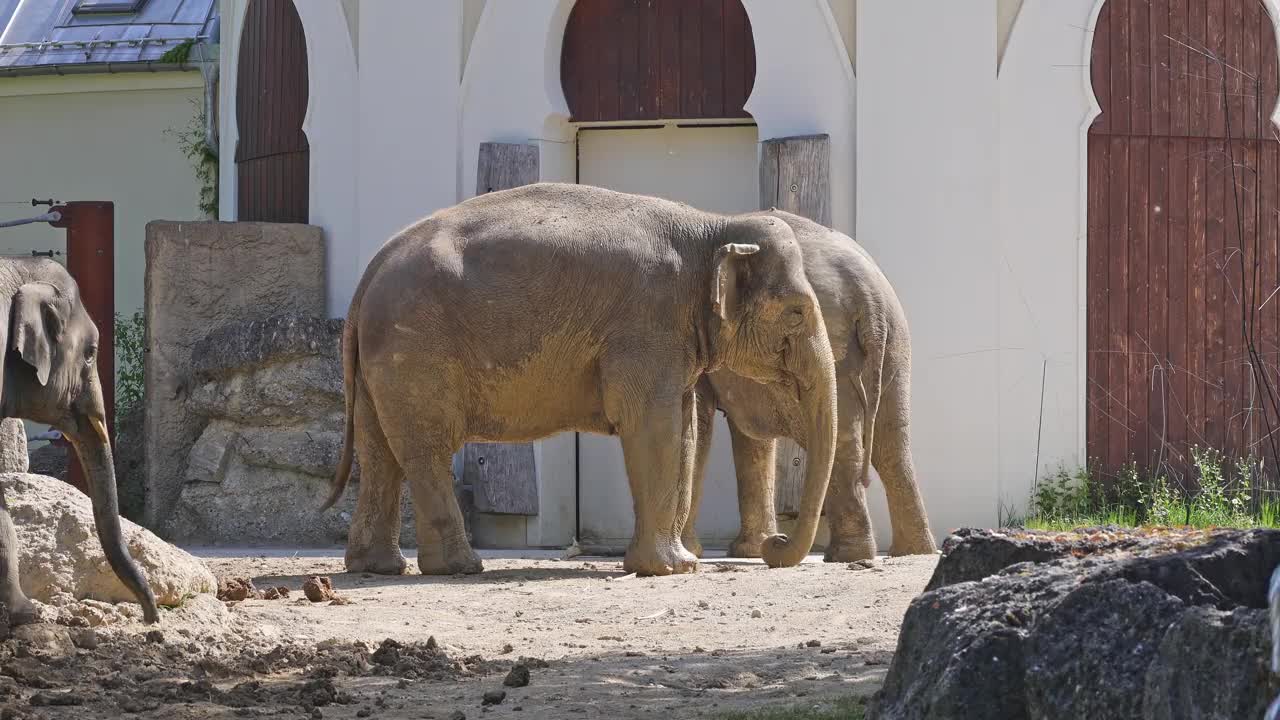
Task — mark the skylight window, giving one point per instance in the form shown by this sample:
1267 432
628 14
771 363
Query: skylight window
102 7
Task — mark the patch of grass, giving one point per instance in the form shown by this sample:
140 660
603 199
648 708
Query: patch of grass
1218 496
852 708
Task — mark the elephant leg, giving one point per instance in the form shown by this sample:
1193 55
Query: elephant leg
753 462
443 548
21 611
891 456
846 505
704 417
658 448
373 542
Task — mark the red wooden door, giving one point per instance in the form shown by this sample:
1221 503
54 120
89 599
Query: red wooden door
1182 232
272 156
657 59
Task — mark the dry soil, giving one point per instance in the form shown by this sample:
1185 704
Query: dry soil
596 643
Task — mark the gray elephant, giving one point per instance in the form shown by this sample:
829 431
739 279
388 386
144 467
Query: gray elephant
546 308
872 348
50 376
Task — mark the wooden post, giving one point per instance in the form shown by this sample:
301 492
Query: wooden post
503 477
795 176
90 230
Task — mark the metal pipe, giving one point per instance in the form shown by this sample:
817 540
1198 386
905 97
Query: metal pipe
92 68
54 216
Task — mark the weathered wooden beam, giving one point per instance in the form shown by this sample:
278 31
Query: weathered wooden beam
795 176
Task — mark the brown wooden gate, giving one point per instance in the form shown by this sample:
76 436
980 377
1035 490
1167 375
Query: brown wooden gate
657 59
1182 232
272 156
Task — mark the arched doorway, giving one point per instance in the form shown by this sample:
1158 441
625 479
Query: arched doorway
272 155
656 89
1183 191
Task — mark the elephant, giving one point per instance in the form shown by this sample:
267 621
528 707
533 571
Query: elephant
50 376
872 347
551 307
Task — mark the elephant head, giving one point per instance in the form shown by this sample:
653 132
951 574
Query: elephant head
771 330
50 376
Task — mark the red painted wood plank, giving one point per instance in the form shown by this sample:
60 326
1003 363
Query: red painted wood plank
1234 58
1139 281
1140 67
691 84
609 51
1100 69
1215 75
1121 74
737 42
1158 300
1118 304
1179 242
712 66
1097 293
1179 82
1197 67
651 63
1215 294
1248 184
1254 21
629 60
1269 73
1197 279
1269 312
669 34
1160 67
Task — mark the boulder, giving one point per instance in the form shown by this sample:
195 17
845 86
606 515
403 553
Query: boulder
1101 624
13 446
270 393
60 553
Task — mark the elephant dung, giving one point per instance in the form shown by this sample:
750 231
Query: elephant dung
61 554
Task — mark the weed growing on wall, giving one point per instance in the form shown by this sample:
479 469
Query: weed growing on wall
203 157
129 338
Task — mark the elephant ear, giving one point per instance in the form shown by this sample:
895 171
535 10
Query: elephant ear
725 284
37 321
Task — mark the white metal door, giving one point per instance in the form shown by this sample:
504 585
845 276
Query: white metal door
711 168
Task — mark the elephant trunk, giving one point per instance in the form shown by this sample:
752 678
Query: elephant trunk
95 457
816 373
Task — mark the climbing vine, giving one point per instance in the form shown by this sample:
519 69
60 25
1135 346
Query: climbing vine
130 336
203 157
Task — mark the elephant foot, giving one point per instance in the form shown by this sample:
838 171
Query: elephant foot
693 545
22 612
659 559
384 562
435 560
850 550
748 544
921 544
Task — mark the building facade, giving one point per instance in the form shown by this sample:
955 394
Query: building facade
957 152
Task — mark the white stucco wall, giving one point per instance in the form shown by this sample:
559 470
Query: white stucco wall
98 137
927 173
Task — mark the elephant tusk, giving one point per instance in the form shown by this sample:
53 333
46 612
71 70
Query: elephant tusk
100 428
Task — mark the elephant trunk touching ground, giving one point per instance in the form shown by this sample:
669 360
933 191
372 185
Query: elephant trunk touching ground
815 372
49 375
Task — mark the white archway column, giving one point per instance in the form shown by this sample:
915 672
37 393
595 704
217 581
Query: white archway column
805 86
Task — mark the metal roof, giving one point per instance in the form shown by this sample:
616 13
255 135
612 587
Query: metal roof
35 33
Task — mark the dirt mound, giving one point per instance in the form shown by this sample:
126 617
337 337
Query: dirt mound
47 665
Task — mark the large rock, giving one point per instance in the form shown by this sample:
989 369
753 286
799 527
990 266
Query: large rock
1098 624
270 392
13 446
201 276
60 552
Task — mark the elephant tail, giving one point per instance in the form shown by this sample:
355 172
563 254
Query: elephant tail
874 339
350 358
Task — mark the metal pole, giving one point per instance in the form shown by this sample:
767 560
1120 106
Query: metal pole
90 230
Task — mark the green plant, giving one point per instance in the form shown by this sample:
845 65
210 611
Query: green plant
203 157
178 54
129 339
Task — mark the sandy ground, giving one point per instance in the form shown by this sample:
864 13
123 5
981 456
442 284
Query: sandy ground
598 644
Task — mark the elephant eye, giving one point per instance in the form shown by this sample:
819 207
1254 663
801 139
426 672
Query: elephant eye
90 353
